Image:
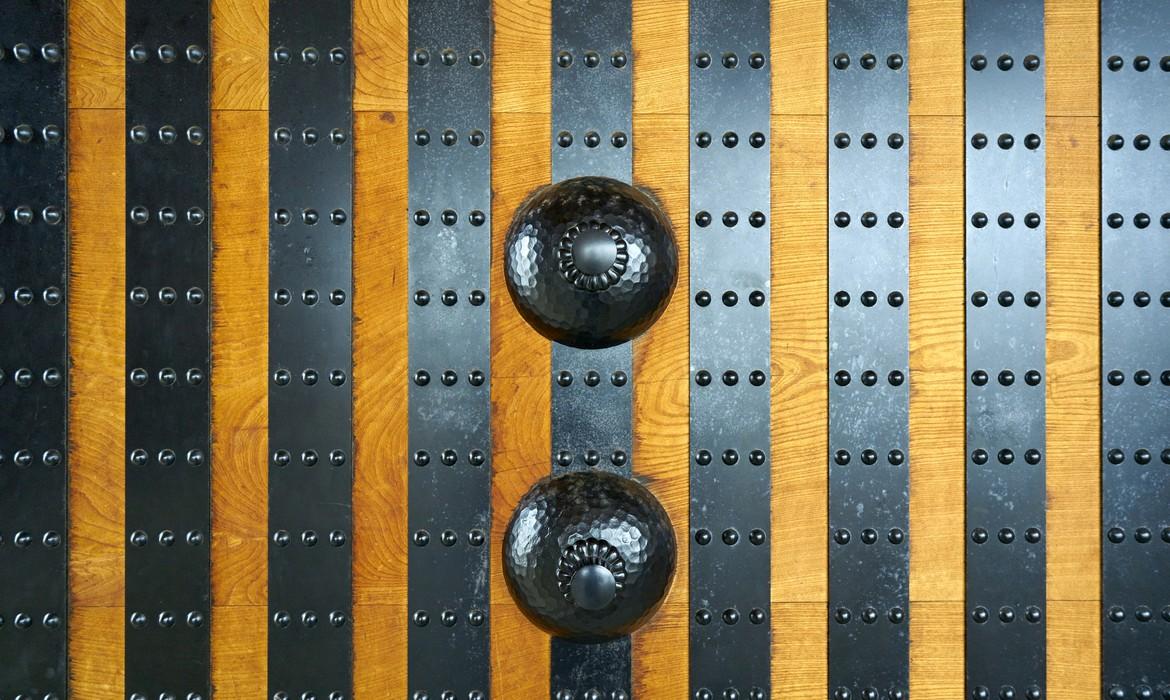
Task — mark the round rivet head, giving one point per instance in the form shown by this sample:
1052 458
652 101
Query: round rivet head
138 53
868 61
310 55
978 62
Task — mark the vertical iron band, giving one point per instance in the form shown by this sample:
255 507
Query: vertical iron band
1135 355
310 350
34 358
730 349
592 426
450 348
1005 278
168 350
869 549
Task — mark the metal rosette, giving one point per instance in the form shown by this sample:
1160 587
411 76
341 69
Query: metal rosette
869 550
592 422
310 350
450 348
168 350
1005 242
730 349
34 360
1135 355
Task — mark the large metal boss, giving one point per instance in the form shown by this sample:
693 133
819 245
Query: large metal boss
590 262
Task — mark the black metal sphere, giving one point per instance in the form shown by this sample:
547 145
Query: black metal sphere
589 555
590 262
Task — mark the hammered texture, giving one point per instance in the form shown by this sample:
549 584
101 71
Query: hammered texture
565 312
559 512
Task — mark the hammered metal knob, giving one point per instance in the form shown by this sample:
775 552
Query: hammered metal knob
590 262
589 555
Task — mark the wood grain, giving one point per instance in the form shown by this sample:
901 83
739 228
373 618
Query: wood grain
520 358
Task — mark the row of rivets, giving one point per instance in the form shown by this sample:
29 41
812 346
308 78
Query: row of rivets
730 536
869 377
1005 141
448 217
308 618
869 457
868 61
308 695
309 538
730 139
1141 220
22 539
168 134
450 297
309 458
1140 63
310 217
25 215
166 538
731 378
24 53
167 53
1005 62
449 458
843 615
167 296
1141 377
1005 220
25 133
449 538
868 219
1141 535
309 297
167 457
450 137
1005 298
1006 535
591 378
166 695
1141 456
1006 692
448 618
869 298
730 298
310 55
450 695
1141 613
1141 142
869 140
309 377
592 59
24 621
1141 691
843 536
167 216
1005 456
448 57
167 618
449 377
24 377
24 296
730 616
730 457
730 219
1006 377
309 136
592 139
24 458
870 693
731 693
167 376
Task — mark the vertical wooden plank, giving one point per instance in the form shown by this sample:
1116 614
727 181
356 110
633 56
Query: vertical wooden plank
661 362
239 410
97 457
521 357
96 54
239 55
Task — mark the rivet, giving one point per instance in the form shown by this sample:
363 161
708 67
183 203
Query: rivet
703 536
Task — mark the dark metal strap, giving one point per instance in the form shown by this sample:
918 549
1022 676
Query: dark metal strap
1005 349
1135 355
34 361
310 336
730 349
868 350
168 350
592 426
450 348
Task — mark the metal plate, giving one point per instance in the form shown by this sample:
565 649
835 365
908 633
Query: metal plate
592 102
868 221
1135 357
450 348
168 350
730 349
1005 349
34 360
310 354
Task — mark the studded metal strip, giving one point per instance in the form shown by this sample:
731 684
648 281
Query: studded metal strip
1005 577
730 349
450 348
1135 357
592 392
310 350
168 350
868 351
34 359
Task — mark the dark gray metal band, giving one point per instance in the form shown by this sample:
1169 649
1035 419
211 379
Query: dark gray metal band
168 350
869 549
450 348
592 426
730 349
1005 181
1135 357
310 350
34 359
